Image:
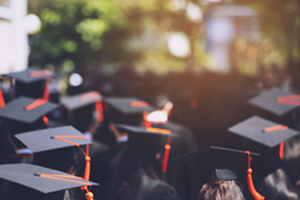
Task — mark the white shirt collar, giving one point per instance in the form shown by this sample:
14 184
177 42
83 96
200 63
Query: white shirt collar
24 151
123 139
88 135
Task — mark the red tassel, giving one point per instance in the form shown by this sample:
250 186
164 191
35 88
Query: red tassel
146 122
281 150
166 155
35 104
46 120
2 102
289 100
251 187
99 109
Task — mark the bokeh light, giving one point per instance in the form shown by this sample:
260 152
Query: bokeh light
75 80
178 44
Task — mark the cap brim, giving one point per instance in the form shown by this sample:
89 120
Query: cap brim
254 129
16 110
268 100
28 175
43 140
81 100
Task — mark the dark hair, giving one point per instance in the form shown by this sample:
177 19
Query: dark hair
15 128
129 175
59 159
291 157
221 190
277 185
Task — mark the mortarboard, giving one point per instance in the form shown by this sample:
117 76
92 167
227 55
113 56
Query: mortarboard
81 100
30 75
263 131
54 139
221 160
276 101
127 110
128 105
41 179
31 82
84 104
268 139
223 163
44 140
145 142
26 110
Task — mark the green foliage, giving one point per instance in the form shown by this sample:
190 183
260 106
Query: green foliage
75 33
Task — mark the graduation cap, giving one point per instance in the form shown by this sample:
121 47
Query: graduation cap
26 110
262 131
40 178
49 139
268 139
128 105
83 106
145 142
223 163
30 82
53 139
127 110
221 160
276 101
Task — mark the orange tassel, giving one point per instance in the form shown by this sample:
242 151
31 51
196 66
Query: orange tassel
146 122
281 150
278 127
289 100
166 155
35 104
99 109
251 187
46 120
141 104
2 102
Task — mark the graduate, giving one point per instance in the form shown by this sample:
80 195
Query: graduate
126 110
27 181
136 177
221 169
21 115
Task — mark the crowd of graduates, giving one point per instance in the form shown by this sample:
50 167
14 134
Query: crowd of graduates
128 137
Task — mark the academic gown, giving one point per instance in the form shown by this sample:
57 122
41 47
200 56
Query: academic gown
106 166
157 190
181 176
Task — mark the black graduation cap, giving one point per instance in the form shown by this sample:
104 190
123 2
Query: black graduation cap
144 143
26 110
83 107
126 110
41 179
221 161
262 131
45 140
30 75
30 82
276 101
81 100
128 105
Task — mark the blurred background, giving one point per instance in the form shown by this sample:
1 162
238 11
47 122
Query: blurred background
207 56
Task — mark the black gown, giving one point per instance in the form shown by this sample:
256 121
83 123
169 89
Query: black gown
181 176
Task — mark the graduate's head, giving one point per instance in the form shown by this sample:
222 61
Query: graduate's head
85 111
30 82
126 110
54 147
